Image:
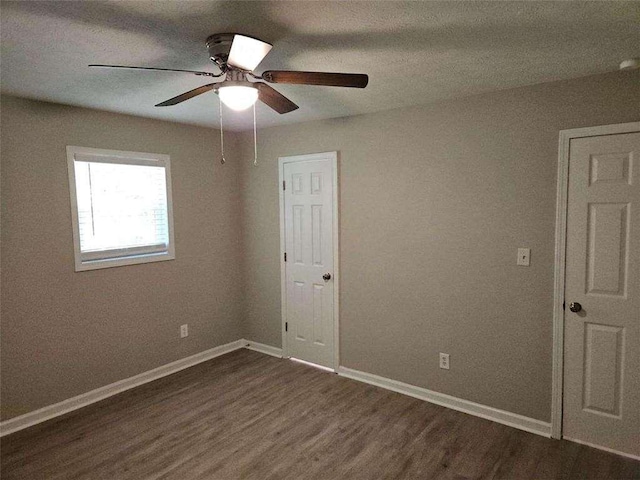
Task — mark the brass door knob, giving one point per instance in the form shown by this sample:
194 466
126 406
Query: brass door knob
575 307
326 277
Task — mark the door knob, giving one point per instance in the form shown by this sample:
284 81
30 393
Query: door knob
575 307
326 277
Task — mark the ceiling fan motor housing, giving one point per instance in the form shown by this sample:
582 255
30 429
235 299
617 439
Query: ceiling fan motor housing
219 46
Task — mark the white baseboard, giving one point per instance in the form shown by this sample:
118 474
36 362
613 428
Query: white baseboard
501 416
37 416
606 449
46 413
262 348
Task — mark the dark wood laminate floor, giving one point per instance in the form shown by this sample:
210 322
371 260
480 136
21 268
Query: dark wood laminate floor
247 415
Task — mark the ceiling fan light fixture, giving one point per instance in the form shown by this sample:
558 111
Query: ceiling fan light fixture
246 52
238 97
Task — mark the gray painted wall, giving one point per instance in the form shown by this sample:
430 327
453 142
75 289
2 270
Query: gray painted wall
434 202
65 333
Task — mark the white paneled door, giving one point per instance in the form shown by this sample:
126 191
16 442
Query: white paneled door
308 216
602 294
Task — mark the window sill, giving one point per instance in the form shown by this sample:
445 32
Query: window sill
82 266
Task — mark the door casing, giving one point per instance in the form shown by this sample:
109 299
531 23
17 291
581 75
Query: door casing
333 158
560 258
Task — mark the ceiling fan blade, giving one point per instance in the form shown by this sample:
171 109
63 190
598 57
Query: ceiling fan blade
187 95
195 72
274 99
246 52
354 80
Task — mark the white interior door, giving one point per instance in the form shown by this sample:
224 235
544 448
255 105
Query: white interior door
309 267
602 335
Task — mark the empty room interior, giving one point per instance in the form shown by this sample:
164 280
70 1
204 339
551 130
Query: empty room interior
320 240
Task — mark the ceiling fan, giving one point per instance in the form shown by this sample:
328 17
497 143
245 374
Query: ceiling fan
236 57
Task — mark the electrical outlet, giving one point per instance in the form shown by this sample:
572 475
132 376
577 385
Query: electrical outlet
184 330
444 361
524 257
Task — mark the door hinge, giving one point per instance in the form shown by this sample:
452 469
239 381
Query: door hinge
284 187
285 256
286 326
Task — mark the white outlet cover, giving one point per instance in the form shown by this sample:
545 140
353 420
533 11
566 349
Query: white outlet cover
524 257
444 361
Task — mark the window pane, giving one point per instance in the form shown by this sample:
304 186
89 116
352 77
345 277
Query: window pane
121 206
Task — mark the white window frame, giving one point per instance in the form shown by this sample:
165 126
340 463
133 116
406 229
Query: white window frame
118 257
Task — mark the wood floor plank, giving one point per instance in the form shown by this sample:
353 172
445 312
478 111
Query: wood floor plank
249 416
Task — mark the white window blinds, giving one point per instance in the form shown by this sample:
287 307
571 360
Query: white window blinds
122 207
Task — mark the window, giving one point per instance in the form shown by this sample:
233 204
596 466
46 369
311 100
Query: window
120 207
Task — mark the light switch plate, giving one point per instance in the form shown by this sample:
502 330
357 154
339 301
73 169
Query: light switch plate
524 257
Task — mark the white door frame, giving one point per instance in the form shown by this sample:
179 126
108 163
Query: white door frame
559 267
333 157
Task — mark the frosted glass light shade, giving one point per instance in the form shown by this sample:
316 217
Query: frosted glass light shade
246 52
238 97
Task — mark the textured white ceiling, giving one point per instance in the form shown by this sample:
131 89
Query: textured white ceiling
414 52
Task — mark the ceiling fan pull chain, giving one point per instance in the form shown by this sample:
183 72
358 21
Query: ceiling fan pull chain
222 159
255 138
